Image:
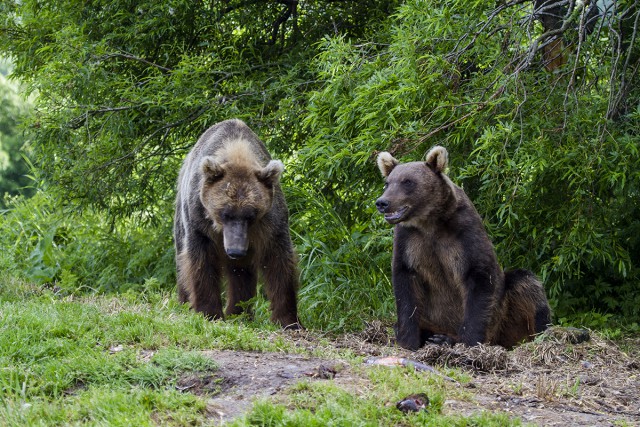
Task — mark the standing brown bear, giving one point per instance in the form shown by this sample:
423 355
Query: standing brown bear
446 278
232 220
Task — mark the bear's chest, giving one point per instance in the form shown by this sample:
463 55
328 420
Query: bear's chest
438 260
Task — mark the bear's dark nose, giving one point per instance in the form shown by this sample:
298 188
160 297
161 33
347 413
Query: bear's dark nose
382 205
235 253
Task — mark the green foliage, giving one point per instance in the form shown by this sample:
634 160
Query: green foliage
48 244
549 156
125 90
343 267
14 146
105 360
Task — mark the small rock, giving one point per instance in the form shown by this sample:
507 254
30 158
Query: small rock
589 380
413 403
116 348
323 372
586 365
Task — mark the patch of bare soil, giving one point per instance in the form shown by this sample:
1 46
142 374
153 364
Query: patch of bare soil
244 376
556 380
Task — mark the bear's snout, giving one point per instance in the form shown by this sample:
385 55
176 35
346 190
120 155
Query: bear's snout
235 238
235 253
392 214
382 205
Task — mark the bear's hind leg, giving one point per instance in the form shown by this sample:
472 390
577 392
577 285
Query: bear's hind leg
526 311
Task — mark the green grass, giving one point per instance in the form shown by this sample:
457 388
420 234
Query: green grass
106 360
115 360
371 403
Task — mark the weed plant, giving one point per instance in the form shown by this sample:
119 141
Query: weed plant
345 266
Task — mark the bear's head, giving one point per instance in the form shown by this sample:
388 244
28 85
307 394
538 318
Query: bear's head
416 191
236 192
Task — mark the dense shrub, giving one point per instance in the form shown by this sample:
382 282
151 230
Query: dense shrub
74 252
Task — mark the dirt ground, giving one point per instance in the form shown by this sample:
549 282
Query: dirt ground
564 378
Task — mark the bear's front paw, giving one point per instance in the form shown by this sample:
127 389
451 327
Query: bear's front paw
439 339
295 326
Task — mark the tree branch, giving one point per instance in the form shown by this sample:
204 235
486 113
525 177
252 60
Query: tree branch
77 122
165 128
480 106
290 10
456 54
547 36
134 58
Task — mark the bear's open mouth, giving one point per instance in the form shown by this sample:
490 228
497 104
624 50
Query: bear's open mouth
396 216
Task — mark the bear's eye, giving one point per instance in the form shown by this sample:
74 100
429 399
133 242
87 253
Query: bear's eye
249 217
386 184
408 184
212 179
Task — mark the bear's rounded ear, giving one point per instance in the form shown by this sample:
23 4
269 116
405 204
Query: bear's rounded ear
438 159
386 163
271 173
211 169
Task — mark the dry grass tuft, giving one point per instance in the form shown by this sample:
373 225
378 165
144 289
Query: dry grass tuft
558 348
481 358
376 339
376 332
566 335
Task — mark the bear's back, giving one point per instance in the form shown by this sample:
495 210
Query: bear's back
226 134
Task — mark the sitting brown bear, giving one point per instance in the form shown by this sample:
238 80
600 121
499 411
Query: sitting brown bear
231 219
446 278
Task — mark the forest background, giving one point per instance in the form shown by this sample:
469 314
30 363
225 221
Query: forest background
538 104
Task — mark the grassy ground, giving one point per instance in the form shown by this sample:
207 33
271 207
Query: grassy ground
117 360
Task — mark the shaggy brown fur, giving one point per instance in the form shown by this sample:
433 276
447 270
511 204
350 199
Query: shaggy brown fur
446 278
232 220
